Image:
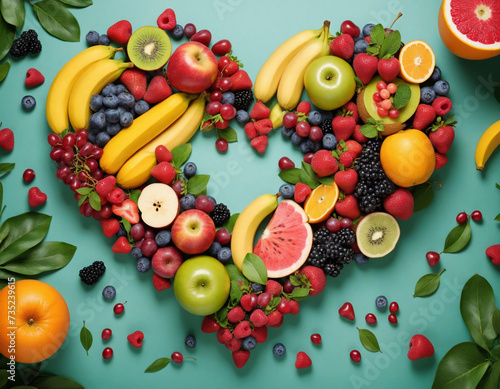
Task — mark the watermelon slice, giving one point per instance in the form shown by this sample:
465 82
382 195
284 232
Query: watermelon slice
286 242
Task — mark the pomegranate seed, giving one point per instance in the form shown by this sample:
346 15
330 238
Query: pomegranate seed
355 356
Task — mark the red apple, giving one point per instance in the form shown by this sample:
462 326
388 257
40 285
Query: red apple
192 68
193 231
166 261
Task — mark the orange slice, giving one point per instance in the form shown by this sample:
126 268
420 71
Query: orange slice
320 202
417 62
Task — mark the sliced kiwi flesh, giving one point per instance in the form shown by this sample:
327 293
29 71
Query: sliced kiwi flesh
377 234
149 48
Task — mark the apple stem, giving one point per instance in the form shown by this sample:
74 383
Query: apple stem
397 17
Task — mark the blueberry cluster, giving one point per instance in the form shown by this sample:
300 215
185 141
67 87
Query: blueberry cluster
434 87
28 42
373 185
94 38
91 274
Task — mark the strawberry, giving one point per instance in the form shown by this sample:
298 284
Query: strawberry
304 107
420 347
260 334
353 109
236 314
128 210
388 69
164 172
167 21
203 36
442 138
259 143
116 196
424 116
323 163
316 277
303 361
343 127
158 90
161 283
441 160
346 159
120 32
258 318
260 111
301 192
248 301
353 148
105 185
358 135
348 207
110 227
274 288
342 46
224 335
399 204
274 319
228 65
346 180
7 139
209 325
242 329
442 105
250 130
121 246
241 80
135 81
240 357
163 154
293 307
263 126
36 197
493 253
136 338
33 78
365 67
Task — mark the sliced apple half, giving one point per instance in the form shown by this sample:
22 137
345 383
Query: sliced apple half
159 205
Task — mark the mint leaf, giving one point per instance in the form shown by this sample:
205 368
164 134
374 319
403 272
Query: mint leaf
180 154
369 130
197 184
391 45
402 96
377 35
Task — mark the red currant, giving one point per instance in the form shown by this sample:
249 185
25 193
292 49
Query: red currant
394 307
476 216
223 236
393 318
333 224
107 353
285 163
28 175
221 145
355 356
316 338
106 334
394 113
203 203
371 318
177 357
432 257
119 308
461 217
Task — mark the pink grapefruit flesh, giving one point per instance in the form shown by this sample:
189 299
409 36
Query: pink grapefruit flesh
478 20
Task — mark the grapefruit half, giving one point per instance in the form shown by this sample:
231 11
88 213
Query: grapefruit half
470 29
286 241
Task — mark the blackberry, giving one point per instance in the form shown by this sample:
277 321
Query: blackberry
373 185
35 47
326 126
19 48
243 99
30 37
91 274
220 214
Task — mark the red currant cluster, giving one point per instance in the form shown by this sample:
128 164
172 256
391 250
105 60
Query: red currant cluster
382 99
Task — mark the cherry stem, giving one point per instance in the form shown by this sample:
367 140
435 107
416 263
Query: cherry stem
190 358
397 17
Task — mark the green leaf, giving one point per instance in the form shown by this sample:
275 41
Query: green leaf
427 284
368 340
25 231
4 70
254 269
221 316
77 3
299 294
24 387
30 372
377 35
6 167
497 218
461 368
3 377
56 382
307 176
13 12
7 36
86 338
95 200
477 305
134 195
234 273
493 378
82 199
229 224
391 45
84 191
458 238
495 352
126 224
402 95
197 184
369 130
235 294
180 154
157 365
57 20
496 321
423 195
290 175
326 180
45 256
228 134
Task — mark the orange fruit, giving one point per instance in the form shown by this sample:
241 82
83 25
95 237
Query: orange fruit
470 28
417 61
41 317
320 202
407 158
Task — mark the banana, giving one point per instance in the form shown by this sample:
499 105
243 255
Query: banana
246 226
142 130
56 108
277 116
291 84
89 83
137 170
488 142
266 83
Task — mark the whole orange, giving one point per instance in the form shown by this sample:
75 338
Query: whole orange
407 157
34 321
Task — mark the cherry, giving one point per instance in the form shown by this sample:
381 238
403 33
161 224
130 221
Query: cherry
204 204
432 258
348 27
461 217
189 30
476 216
221 145
355 356
119 308
371 318
392 88
213 108
308 157
345 222
290 119
223 236
177 357
381 85
333 224
394 307
303 129
106 334
393 318
263 299
285 163
347 311
107 353
316 338
28 175
216 96
385 94
377 98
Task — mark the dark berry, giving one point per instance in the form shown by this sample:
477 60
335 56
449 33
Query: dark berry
91 274
279 349
220 214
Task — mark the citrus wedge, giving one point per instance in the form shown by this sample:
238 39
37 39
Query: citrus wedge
417 61
320 202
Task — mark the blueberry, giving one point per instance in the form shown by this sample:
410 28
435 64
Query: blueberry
360 46
227 98
296 139
315 118
359 37
287 132
329 141
141 107
287 191
109 89
187 201
258 287
120 88
101 139
113 129
97 120
28 102
91 137
112 115
143 264
436 75
306 146
163 238
126 100
136 253
92 38
224 255
367 29
214 249
110 101
360 258
279 349
441 87
189 169
381 302
178 32
121 232
109 292
126 119
96 103
249 343
104 40
427 95
190 341
316 146
242 116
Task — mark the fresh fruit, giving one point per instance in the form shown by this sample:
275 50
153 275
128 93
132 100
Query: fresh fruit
41 320
193 231
161 283
106 334
493 253
33 78
240 358
442 138
468 29
320 203
316 338
201 285
192 68
279 349
166 261
348 207
260 111
36 197
109 292
164 172
399 204
371 318
167 20
343 127
7 139
159 205
442 105
407 158
135 81
107 353
323 163
158 90
417 62
349 27
136 338
432 258
424 117
476 216
303 360
288 224
355 356
394 307
240 80
346 180
149 48
393 319
190 341
365 66
128 210
120 32
347 311
488 142
119 308
342 46
110 227
420 347
377 234
28 174
381 302
316 277
388 69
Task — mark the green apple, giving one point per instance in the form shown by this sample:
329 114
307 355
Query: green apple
201 285
329 82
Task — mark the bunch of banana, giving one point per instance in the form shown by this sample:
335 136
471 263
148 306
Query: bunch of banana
284 69
60 89
247 224
137 170
488 142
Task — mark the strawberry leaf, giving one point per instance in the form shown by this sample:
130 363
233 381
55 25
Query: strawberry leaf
391 45
197 184
291 175
377 35
458 238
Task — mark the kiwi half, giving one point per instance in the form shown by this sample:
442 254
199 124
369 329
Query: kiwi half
149 48
377 234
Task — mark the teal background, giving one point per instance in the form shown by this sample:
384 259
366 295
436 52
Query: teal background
255 29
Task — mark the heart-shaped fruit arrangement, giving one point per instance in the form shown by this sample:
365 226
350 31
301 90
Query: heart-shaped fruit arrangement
372 134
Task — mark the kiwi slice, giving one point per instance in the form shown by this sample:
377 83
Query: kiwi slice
149 48
377 234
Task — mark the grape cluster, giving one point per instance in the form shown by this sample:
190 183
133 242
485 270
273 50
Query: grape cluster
332 250
27 43
373 185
